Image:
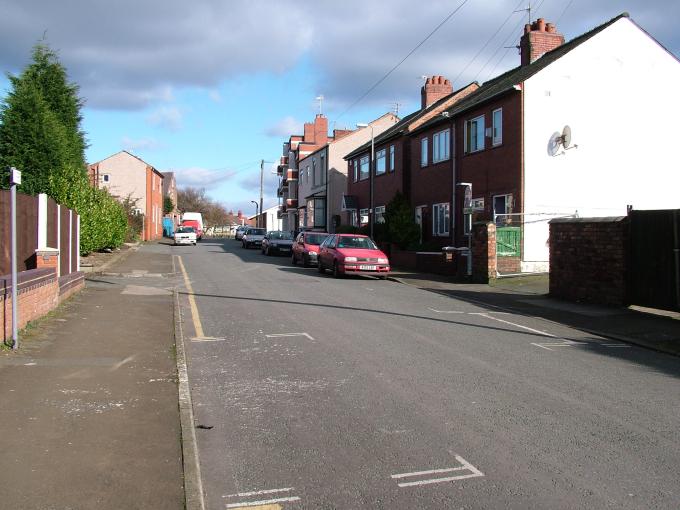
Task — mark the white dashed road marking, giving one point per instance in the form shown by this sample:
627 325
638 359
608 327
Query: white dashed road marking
280 335
469 471
261 502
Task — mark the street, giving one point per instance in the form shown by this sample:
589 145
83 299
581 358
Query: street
315 392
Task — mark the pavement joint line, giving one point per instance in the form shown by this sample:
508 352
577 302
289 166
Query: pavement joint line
195 317
194 498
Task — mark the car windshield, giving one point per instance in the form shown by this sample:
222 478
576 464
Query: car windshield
315 238
280 235
356 242
185 230
255 232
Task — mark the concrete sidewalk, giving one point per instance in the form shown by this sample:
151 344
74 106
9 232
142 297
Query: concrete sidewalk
89 404
528 295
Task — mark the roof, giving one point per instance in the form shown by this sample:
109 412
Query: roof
400 127
507 81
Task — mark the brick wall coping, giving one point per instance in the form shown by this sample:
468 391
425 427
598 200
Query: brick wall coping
607 219
30 278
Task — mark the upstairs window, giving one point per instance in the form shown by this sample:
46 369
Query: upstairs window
423 152
380 162
363 168
497 134
314 176
323 169
106 178
356 170
440 146
391 158
474 134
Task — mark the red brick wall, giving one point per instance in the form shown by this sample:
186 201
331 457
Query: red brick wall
153 222
588 260
539 38
483 252
496 170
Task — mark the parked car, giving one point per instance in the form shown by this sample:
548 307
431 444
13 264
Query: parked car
352 254
306 247
277 241
185 235
253 237
238 235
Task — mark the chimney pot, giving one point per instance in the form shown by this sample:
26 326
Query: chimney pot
540 25
550 28
527 28
436 87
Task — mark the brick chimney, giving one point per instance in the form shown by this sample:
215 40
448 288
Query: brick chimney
317 132
435 88
539 38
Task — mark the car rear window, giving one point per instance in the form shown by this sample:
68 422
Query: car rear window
315 238
256 232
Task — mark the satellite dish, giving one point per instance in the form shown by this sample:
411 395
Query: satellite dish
554 143
566 137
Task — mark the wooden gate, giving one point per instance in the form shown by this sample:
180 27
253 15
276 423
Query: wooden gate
655 259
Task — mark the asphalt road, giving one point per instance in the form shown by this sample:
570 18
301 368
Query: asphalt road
312 392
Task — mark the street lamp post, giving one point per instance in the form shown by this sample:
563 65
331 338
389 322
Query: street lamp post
370 179
257 213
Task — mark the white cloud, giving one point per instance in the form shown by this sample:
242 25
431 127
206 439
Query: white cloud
215 96
168 117
201 177
141 53
284 128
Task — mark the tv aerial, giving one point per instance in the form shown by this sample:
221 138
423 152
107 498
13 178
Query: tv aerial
560 140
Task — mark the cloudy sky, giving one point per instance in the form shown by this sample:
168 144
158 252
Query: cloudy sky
209 88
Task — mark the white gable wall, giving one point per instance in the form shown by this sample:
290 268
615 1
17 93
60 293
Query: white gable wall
618 93
127 177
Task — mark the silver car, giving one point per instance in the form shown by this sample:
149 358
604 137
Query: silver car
253 237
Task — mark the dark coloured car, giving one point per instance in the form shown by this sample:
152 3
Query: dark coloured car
277 241
306 247
352 254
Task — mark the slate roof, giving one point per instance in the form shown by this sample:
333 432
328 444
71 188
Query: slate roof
506 81
399 128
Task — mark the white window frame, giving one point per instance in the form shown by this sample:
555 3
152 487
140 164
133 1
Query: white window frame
379 214
441 228
106 178
440 145
356 169
392 152
380 162
363 213
364 161
313 172
424 151
497 127
478 123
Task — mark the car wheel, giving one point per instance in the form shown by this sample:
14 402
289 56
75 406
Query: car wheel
292 259
336 270
320 268
305 260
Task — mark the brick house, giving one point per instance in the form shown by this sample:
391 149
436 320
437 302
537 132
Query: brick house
565 133
125 175
170 190
323 176
393 170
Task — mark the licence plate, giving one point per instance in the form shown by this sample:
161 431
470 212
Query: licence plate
368 268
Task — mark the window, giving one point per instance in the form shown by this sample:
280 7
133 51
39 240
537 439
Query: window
319 212
380 162
323 169
356 170
380 214
307 176
474 134
502 207
440 219
363 217
391 158
314 176
363 168
423 152
440 146
497 134
106 178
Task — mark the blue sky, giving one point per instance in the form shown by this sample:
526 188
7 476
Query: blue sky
207 89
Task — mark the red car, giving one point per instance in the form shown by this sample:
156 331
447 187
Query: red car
352 254
306 247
